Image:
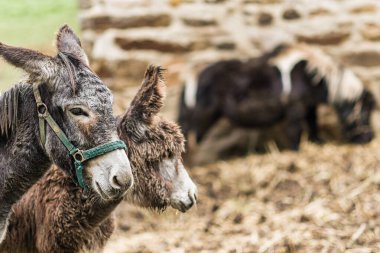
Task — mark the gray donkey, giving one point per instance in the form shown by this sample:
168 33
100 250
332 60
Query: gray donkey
77 106
55 215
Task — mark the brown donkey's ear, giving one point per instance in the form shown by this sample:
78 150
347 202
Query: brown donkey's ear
33 62
69 43
149 99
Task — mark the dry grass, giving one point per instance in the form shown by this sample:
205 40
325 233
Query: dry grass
322 199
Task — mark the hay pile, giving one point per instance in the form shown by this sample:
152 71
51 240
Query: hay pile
322 199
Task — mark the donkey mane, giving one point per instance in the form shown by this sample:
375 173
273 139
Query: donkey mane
8 111
342 83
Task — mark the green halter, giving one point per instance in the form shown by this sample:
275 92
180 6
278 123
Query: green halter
78 155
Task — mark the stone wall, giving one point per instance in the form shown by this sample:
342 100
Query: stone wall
124 36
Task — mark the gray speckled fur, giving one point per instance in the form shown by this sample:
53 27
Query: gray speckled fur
22 158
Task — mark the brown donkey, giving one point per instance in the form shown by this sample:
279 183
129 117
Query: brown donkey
55 215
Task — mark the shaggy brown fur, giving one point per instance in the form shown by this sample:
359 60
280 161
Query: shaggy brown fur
57 216
153 137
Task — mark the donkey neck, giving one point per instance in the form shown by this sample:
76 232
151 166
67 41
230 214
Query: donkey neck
22 159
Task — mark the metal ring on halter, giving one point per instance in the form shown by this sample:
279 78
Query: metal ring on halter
78 156
42 110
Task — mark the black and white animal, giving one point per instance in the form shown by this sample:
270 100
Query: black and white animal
285 85
79 103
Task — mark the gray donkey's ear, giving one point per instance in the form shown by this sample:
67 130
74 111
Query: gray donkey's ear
69 43
33 62
149 99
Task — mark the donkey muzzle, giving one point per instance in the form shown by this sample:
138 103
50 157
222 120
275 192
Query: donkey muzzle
111 174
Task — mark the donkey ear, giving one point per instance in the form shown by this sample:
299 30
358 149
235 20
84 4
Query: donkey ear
69 43
33 62
149 99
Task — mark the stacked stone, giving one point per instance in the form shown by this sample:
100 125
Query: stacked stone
123 36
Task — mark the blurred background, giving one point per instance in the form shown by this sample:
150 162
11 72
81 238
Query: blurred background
324 198
28 23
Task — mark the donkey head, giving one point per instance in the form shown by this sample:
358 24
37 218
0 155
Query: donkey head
355 118
156 146
82 107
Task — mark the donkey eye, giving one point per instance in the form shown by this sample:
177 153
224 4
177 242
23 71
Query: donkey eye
78 112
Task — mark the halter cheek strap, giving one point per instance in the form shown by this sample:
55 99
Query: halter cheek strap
79 156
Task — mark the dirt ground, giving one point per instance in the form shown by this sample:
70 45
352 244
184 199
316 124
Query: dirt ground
325 198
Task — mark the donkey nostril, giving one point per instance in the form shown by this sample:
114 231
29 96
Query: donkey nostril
116 183
193 197
120 183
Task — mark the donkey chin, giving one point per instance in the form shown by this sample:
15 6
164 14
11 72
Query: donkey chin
184 191
111 175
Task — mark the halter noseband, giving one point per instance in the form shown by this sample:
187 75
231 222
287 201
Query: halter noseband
78 155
